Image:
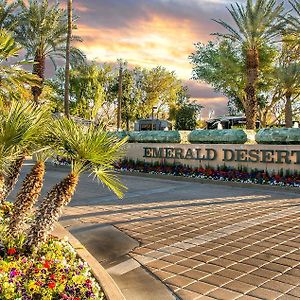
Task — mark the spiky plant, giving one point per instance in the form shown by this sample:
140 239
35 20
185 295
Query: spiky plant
256 24
90 150
19 133
28 194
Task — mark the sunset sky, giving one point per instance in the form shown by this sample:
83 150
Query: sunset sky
150 33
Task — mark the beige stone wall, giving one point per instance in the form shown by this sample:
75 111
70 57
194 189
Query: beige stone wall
271 157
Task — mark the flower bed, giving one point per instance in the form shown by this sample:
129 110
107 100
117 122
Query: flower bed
55 272
222 174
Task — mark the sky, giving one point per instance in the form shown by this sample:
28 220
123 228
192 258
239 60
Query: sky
153 32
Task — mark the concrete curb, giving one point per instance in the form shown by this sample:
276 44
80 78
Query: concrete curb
214 182
111 290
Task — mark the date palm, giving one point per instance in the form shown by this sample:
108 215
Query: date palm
42 31
293 21
90 150
20 130
256 23
14 79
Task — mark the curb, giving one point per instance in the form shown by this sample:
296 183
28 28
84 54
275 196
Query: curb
110 289
214 182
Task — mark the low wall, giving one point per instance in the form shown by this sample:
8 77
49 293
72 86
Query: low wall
262 157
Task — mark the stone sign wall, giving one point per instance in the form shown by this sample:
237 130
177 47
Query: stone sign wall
262 157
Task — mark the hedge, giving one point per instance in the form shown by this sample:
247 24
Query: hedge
279 136
225 136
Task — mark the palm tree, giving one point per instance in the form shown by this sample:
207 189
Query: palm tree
20 130
294 20
8 20
14 79
256 24
42 31
28 194
67 69
90 150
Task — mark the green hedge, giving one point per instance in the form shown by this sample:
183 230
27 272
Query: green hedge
279 136
225 136
154 137
150 136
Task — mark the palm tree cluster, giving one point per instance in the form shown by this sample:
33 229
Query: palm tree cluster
256 24
27 129
41 29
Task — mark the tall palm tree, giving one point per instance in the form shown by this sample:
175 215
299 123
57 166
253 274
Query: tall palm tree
20 129
288 76
255 24
14 79
90 150
67 68
42 31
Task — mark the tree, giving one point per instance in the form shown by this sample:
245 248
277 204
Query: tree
67 68
8 19
90 150
42 31
187 116
294 23
90 85
257 24
19 131
14 79
221 64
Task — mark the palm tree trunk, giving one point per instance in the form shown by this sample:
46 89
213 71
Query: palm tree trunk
50 210
67 69
251 109
288 111
13 176
27 197
39 70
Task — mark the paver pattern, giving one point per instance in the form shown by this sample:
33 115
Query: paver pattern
245 245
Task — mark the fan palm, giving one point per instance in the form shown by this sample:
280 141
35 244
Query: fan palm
28 194
19 132
89 149
256 24
14 79
42 31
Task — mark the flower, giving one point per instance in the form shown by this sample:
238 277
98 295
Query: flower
51 285
11 251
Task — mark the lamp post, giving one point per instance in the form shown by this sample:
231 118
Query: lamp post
152 124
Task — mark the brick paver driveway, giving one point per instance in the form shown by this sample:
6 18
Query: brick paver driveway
207 241
203 241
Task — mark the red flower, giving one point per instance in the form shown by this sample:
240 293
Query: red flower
11 251
47 265
51 285
52 277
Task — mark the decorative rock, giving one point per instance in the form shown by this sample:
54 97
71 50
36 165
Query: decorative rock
279 136
226 136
